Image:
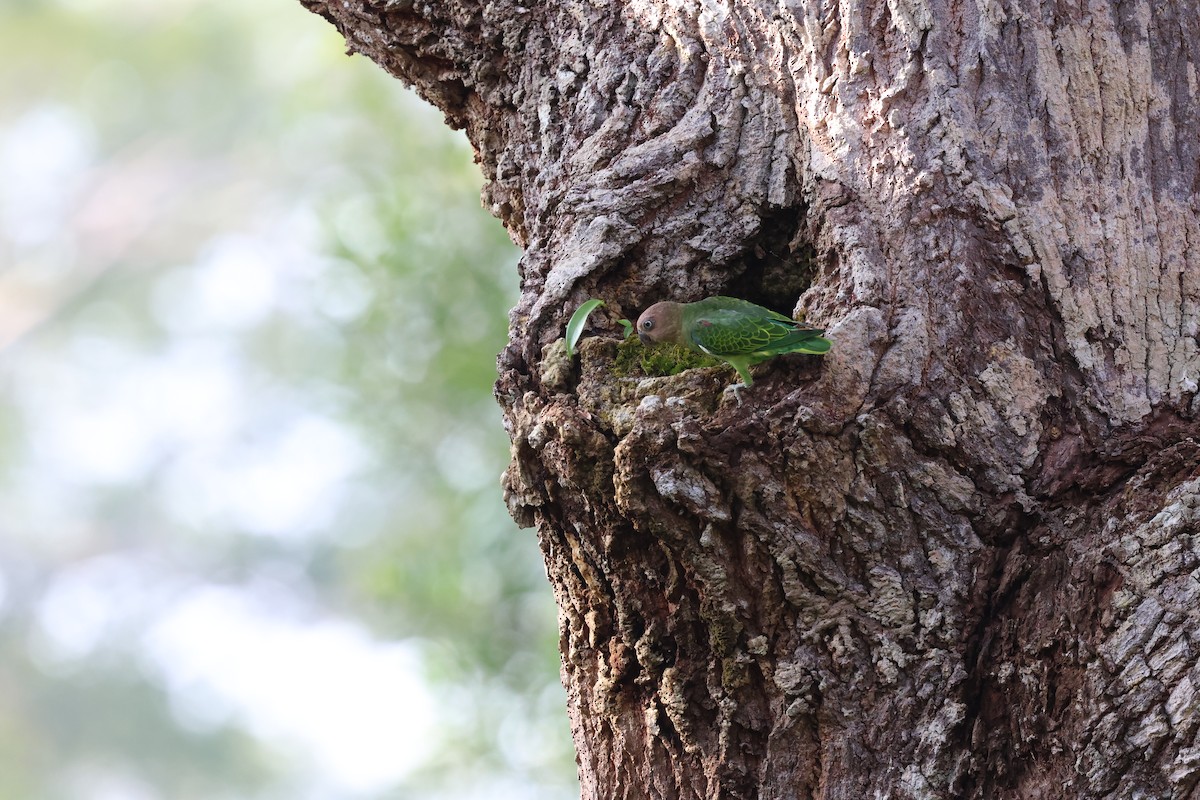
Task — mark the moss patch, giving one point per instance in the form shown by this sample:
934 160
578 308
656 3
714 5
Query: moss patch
635 359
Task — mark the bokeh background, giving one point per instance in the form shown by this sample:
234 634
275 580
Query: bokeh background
252 543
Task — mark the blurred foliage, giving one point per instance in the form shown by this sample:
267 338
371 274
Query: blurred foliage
249 310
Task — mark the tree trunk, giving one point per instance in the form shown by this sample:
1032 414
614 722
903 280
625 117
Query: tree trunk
956 557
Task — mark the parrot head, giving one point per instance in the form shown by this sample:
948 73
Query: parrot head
661 322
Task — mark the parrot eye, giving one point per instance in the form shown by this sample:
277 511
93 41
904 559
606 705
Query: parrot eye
648 324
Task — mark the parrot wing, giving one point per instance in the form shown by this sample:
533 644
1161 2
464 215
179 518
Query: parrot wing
734 332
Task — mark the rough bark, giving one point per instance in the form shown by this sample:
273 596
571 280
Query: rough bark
958 556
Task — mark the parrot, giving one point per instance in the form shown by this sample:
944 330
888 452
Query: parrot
733 330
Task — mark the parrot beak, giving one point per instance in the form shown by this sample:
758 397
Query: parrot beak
644 338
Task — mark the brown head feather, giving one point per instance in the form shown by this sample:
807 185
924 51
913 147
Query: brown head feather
661 322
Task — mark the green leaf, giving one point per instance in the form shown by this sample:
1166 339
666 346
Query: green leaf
627 326
578 319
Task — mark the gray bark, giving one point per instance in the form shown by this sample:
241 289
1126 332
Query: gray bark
958 556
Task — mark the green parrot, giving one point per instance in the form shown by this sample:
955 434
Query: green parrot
736 331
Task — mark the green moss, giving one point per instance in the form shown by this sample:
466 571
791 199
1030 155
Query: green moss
723 633
734 675
634 358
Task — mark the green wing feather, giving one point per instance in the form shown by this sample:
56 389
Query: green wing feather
727 326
